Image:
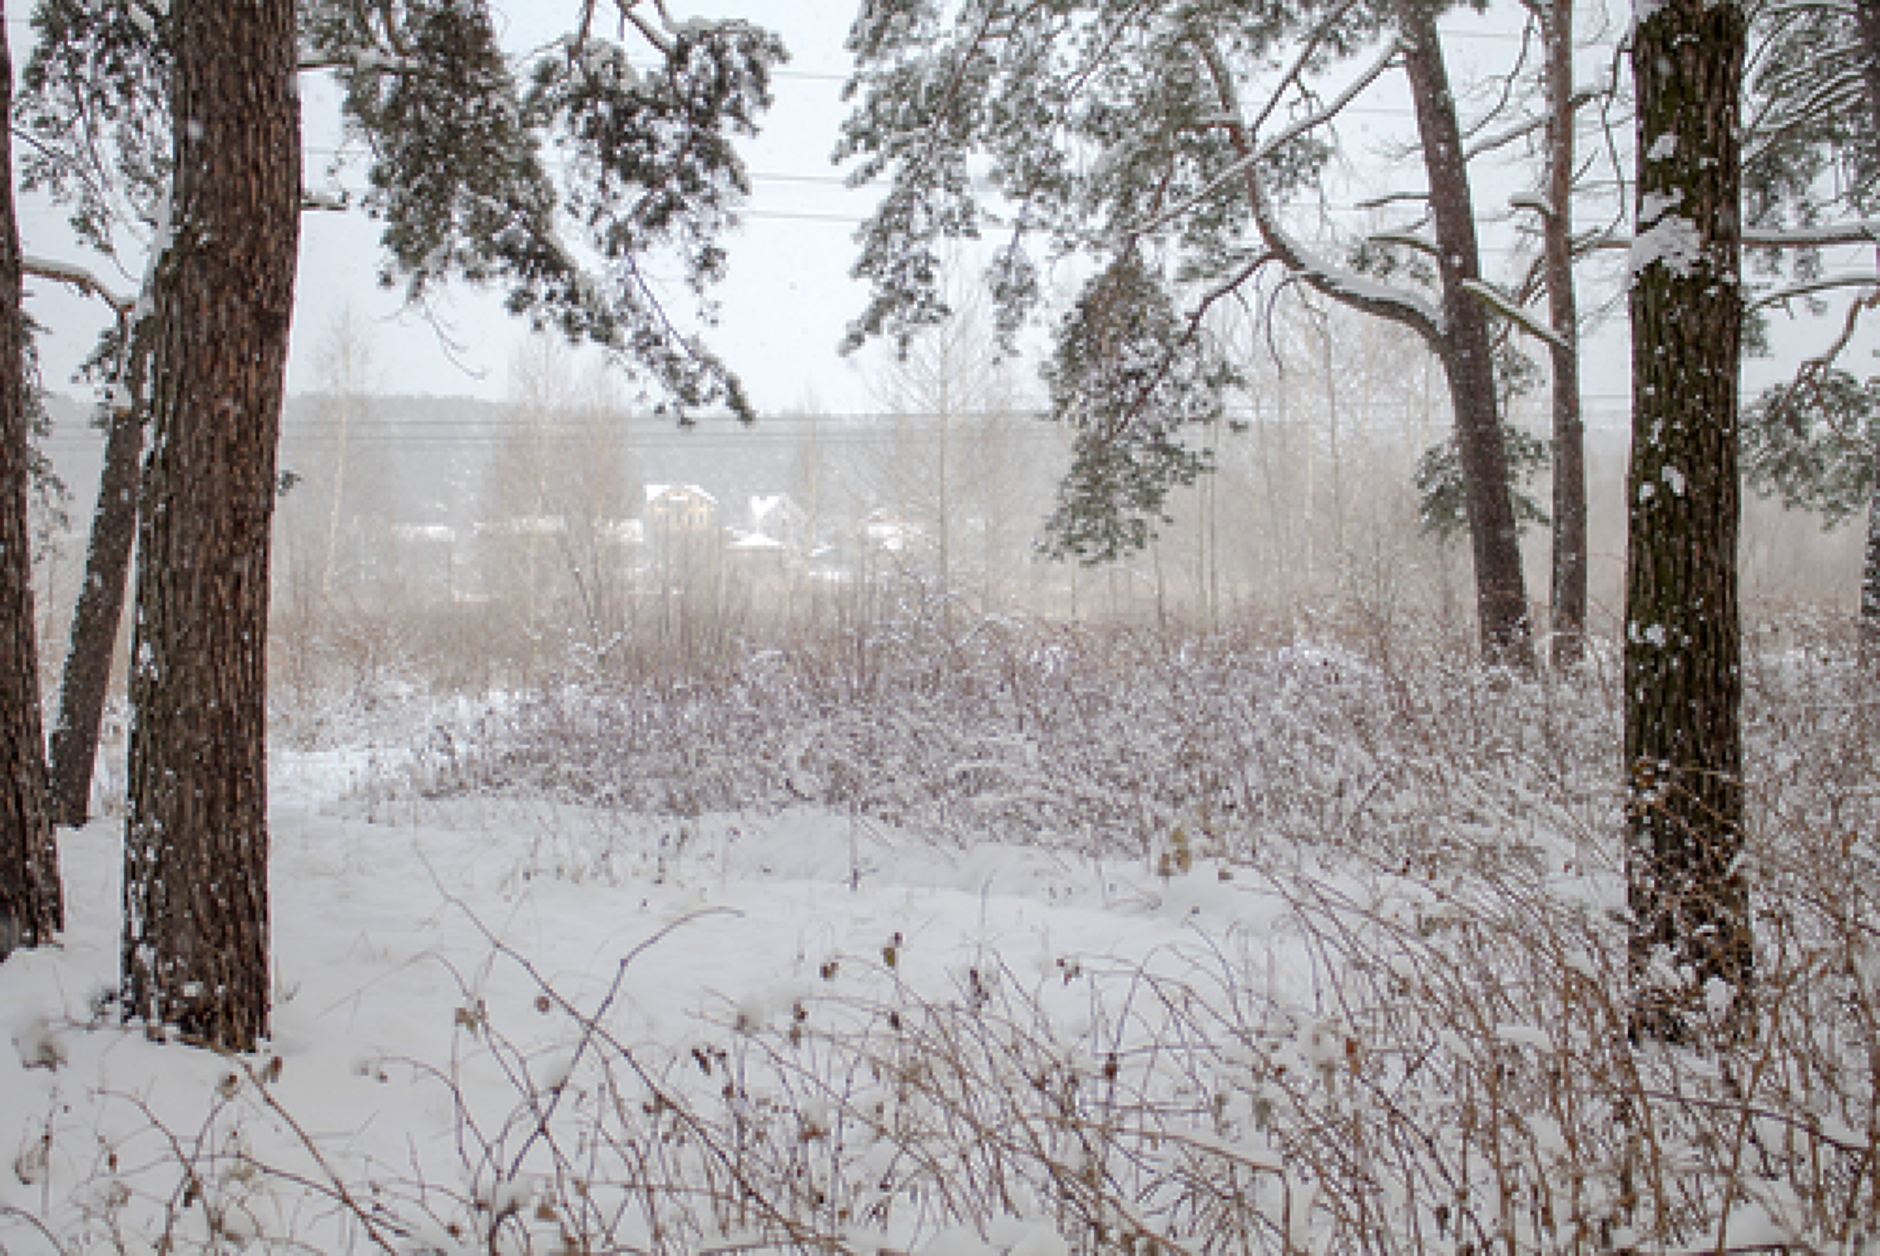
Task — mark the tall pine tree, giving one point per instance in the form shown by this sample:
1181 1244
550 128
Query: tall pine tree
196 835
31 905
1691 953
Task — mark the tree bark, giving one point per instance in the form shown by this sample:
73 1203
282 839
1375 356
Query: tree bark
1568 591
1870 570
100 607
1501 586
195 946
1691 946
1867 13
31 904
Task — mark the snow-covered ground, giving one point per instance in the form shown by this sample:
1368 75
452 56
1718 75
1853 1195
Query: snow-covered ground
505 1023
400 943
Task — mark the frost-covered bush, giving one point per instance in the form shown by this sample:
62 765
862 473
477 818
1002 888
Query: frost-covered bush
1106 742
1441 1062
1445 839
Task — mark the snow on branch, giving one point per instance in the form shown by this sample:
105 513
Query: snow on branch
1827 283
1400 306
1521 130
1394 198
1503 138
1866 231
1244 165
1408 240
1534 201
1499 301
312 59
79 277
1386 57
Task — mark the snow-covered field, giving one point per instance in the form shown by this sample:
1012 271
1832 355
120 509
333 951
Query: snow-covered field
524 1019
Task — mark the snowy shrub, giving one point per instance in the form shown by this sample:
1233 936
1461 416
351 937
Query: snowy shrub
1406 1031
1101 742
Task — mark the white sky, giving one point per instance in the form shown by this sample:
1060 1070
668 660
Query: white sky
788 297
784 306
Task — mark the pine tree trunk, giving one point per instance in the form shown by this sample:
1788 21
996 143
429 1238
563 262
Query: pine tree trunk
196 853
1568 592
1867 15
1867 12
100 607
1501 586
1691 956
1870 570
31 905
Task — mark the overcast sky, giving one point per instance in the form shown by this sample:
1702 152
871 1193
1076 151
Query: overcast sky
784 306
788 297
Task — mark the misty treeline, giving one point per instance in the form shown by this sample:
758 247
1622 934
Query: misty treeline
1254 407
467 546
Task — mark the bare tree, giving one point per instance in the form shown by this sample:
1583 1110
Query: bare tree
556 500
945 465
348 378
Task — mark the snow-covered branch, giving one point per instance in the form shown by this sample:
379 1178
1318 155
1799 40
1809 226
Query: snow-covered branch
1532 201
1521 130
1827 283
79 277
1863 232
1511 310
1406 308
1296 129
1408 240
1866 232
1393 198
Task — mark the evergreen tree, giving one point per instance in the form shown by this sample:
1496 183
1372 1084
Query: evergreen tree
455 133
1810 166
31 904
1815 442
1691 951
1119 131
455 129
195 942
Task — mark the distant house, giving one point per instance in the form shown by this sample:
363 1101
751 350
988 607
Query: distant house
680 508
628 534
761 558
680 526
778 517
888 533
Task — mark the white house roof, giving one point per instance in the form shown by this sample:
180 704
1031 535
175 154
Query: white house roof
655 492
